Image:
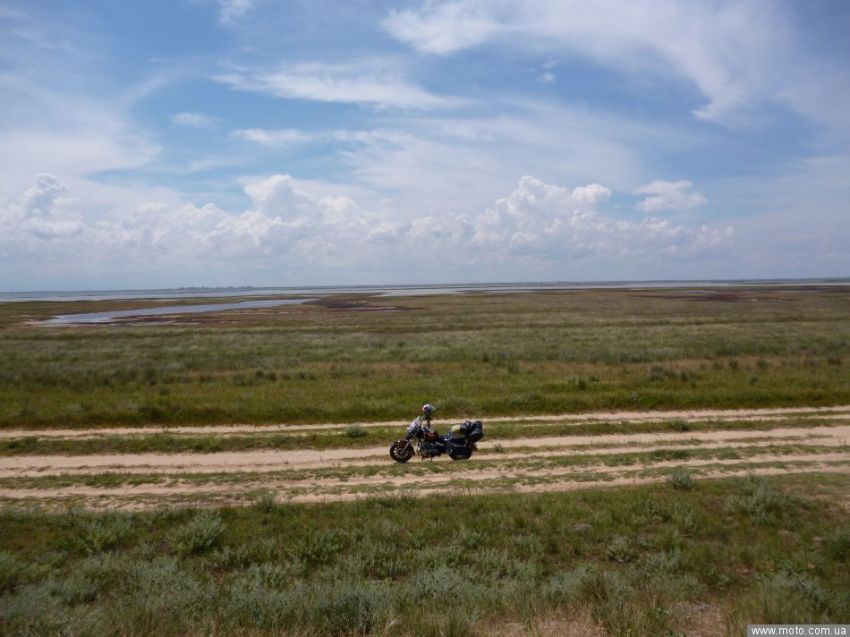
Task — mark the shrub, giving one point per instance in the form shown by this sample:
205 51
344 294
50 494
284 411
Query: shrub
453 622
761 502
838 544
160 599
777 602
685 519
267 502
200 534
251 601
317 548
103 533
355 431
32 610
89 578
343 608
11 571
679 424
620 549
565 587
681 479
380 559
608 594
664 562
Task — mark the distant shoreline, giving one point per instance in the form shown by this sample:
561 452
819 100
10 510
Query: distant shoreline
397 290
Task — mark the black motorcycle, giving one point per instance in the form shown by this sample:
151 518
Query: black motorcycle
421 440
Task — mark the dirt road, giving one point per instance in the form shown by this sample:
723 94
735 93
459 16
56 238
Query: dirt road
787 440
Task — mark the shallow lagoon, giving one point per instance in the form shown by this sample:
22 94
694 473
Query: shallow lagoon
107 317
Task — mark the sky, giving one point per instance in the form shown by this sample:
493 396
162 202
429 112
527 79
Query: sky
172 143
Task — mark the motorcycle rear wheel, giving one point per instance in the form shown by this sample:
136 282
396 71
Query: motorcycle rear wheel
401 451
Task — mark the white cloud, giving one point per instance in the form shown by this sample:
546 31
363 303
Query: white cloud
591 194
195 120
431 164
287 227
738 55
272 137
231 10
554 223
669 195
41 212
445 27
368 82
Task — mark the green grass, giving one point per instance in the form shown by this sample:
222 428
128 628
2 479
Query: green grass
482 355
766 550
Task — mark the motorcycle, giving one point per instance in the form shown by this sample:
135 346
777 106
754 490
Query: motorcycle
422 440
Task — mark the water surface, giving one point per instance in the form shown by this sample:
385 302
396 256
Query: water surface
107 317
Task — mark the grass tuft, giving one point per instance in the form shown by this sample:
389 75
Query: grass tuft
681 479
200 534
355 431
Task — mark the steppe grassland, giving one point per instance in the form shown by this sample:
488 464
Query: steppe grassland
687 555
360 358
704 558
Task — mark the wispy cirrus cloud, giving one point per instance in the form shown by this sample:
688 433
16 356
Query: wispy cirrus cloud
231 10
669 195
368 82
278 137
195 120
738 55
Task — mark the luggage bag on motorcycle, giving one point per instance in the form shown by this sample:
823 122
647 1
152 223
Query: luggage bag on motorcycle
473 431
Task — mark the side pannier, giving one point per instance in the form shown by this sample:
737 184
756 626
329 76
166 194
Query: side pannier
474 430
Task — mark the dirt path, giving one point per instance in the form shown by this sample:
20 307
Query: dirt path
839 411
254 461
423 482
521 465
149 497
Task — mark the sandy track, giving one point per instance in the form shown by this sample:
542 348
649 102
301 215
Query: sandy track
151 497
838 411
259 461
426 482
788 446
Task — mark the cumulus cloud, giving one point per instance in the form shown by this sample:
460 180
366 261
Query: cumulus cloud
556 223
287 227
591 194
370 82
195 120
669 195
41 212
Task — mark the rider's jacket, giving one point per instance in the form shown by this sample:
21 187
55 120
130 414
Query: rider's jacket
420 420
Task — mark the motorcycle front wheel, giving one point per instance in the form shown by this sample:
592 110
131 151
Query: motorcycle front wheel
401 451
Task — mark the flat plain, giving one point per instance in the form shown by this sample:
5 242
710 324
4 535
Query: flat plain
655 462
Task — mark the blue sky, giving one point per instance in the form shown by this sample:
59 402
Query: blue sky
260 142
